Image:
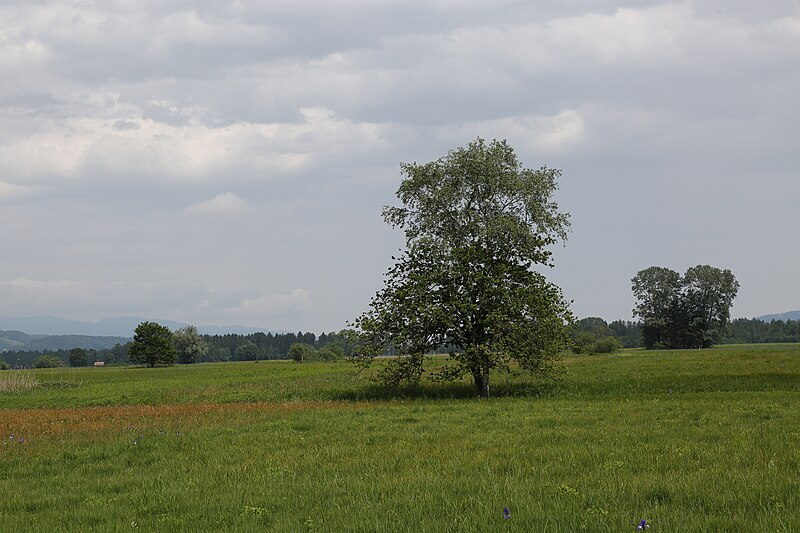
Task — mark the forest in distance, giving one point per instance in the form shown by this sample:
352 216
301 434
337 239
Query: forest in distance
220 348
276 346
738 331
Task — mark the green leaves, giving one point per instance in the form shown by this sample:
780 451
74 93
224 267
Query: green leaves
475 222
152 345
78 357
688 312
189 345
481 194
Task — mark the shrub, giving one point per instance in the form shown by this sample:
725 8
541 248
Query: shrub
47 361
607 345
583 342
247 351
301 352
331 352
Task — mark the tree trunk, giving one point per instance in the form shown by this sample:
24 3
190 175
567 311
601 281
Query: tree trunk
482 382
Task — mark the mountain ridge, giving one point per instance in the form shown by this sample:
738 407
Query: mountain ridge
18 341
119 326
788 315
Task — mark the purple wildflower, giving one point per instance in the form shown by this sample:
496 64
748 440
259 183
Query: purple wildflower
506 513
643 524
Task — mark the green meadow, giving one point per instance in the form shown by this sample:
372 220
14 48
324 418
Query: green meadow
700 440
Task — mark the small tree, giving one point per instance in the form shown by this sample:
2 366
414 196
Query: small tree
47 361
152 345
301 352
189 345
78 357
118 355
247 351
331 352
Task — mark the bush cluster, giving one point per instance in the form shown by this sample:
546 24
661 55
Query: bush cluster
586 343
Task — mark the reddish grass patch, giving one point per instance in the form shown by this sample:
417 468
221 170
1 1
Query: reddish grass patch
54 422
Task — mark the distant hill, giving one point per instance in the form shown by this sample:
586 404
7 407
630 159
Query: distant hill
121 326
789 315
19 341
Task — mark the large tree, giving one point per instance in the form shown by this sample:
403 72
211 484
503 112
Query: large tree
476 222
692 311
657 291
708 293
152 345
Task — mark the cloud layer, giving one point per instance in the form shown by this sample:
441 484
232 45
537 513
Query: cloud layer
154 153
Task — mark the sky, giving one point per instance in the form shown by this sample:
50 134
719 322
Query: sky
227 162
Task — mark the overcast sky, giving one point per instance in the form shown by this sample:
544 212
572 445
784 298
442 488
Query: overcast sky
226 162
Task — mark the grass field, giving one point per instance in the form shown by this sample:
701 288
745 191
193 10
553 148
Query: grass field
704 440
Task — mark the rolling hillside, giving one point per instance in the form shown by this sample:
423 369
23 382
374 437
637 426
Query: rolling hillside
19 341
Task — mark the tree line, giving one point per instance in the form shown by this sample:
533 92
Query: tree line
206 348
590 335
753 330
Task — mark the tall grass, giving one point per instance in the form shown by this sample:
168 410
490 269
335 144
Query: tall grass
733 368
17 380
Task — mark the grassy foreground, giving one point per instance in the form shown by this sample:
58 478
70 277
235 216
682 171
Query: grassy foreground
691 441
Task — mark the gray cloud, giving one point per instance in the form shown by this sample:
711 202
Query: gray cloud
125 125
157 153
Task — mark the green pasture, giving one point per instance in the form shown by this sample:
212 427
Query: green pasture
702 440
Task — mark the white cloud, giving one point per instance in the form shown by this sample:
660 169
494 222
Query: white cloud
124 113
226 203
93 300
98 146
293 301
9 191
275 309
543 134
15 55
87 299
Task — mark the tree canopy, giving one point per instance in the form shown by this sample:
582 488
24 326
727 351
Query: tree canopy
78 357
47 361
152 345
692 311
475 223
301 352
592 335
189 345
